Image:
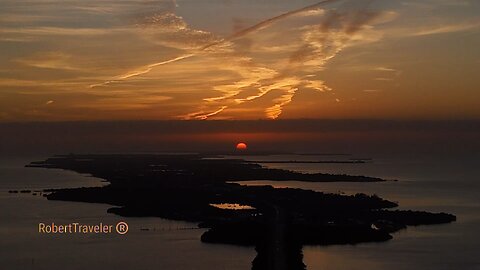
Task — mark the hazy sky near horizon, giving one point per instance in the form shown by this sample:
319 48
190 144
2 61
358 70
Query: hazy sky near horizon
239 59
363 137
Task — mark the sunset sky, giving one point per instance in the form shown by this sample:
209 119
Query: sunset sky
239 59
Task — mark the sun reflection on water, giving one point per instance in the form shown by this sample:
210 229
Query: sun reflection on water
232 206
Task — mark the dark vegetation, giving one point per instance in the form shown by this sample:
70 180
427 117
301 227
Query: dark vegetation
183 187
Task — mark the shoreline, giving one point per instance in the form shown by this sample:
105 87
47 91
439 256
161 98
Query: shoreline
183 187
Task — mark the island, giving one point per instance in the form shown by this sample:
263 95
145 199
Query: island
278 222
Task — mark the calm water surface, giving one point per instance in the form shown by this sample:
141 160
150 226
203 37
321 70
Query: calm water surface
450 184
434 184
166 245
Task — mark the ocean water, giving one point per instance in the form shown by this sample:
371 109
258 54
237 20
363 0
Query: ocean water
438 184
165 245
448 184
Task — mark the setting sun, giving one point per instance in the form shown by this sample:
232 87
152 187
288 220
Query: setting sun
241 146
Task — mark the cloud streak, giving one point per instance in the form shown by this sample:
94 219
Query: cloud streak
172 22
319 43
202 115
445 29
138 72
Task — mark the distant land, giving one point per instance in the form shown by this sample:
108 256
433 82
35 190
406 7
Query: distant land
277 222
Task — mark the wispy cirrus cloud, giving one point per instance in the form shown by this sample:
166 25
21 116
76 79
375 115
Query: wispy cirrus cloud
320 43
235 59
291 69
448 28
254 74
173 31
50 60
268 62
202 115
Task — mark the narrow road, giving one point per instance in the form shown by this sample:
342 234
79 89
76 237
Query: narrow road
277 241
277 250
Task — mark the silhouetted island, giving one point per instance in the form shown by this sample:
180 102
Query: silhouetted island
278 222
